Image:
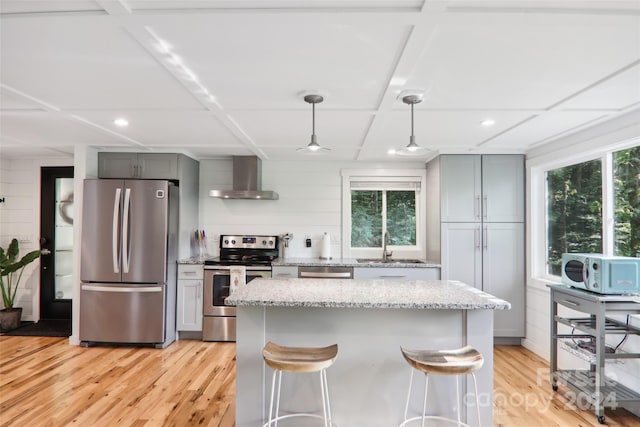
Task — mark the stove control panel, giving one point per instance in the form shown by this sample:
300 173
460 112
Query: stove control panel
248 242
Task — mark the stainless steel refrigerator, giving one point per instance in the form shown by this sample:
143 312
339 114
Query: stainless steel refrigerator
129 249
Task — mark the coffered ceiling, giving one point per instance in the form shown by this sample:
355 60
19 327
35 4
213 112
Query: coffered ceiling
214 78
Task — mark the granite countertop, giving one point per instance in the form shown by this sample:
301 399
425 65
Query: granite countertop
349 293
349 262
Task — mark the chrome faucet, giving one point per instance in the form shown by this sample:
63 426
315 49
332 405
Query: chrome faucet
385 241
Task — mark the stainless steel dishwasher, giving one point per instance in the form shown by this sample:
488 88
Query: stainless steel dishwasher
328 272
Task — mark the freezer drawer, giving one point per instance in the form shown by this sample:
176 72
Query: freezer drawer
122 313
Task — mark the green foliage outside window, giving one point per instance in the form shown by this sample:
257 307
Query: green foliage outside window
366 219
401 217
626 183
574 212
367 207
574 208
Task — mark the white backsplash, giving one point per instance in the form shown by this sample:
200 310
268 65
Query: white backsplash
309 204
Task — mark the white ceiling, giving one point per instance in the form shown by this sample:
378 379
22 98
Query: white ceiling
540 69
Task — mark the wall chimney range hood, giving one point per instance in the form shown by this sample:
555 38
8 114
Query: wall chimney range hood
247 181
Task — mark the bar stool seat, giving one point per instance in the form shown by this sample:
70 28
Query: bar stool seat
299 360
460 361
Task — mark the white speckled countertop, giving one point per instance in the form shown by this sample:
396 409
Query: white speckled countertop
349 262
349 293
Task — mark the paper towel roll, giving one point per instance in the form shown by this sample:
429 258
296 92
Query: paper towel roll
325 251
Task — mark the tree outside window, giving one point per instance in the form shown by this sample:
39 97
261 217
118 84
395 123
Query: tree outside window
626 184
575 202
370 209
574 212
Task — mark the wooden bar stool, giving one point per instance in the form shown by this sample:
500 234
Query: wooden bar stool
299 359
461 361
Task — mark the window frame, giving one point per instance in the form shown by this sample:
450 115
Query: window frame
537 233
417 176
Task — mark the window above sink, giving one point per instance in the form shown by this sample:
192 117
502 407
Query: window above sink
384 200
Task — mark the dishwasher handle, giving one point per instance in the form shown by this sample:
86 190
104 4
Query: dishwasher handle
325 275
325 272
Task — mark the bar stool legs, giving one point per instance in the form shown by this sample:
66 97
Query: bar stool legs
298 359
464 361
326 405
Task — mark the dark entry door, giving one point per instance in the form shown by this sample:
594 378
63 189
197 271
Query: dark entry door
56 235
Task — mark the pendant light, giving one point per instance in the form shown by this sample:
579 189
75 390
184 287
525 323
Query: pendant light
313 146
412 149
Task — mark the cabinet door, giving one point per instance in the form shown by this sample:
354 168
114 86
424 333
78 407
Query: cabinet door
189 305
284 272
461 186
502 188
504 275
117 165
461 253
157 166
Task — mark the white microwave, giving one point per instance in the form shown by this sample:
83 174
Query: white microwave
601 274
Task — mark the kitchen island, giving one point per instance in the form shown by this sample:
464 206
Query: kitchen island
369 320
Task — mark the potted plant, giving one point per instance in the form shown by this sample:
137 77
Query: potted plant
9 268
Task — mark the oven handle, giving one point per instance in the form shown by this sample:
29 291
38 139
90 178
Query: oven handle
228 268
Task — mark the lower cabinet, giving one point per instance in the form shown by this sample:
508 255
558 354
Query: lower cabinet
491 258
189 299
396 273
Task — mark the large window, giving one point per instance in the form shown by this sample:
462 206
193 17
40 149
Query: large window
574 212
376 202
576 200
375 211
626 184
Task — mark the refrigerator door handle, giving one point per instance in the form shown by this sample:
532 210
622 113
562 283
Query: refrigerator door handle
114 235
127 289
125 231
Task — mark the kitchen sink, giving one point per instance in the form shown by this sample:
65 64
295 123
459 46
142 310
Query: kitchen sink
389 261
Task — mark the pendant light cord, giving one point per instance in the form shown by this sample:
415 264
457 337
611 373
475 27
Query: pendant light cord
313 118
411 119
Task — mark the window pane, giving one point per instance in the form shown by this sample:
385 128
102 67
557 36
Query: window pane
401 217
366 219
626 183
574 212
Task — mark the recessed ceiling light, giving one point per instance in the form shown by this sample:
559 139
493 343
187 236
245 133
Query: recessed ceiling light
488 122
391 151
121 122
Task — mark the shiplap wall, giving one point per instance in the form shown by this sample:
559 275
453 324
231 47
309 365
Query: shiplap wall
20 218
309 204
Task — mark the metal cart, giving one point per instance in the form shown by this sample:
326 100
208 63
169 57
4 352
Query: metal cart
591 385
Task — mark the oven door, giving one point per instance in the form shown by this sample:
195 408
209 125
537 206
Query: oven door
217 286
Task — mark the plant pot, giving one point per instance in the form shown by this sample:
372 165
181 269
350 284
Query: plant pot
10 318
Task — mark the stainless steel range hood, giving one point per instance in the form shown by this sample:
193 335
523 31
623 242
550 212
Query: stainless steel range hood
247 181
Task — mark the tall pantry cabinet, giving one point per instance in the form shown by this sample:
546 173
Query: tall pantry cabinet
475 226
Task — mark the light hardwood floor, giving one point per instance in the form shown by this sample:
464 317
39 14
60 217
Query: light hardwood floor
46 382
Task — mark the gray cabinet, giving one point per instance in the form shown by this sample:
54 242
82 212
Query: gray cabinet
487 188
189 299
478 206
138 165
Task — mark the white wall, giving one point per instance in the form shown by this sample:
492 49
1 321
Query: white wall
615 135
309 204
20 218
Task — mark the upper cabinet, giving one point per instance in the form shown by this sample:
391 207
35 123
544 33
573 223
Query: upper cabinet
139 165
487 188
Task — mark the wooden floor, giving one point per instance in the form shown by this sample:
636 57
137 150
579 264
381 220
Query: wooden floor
46 382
